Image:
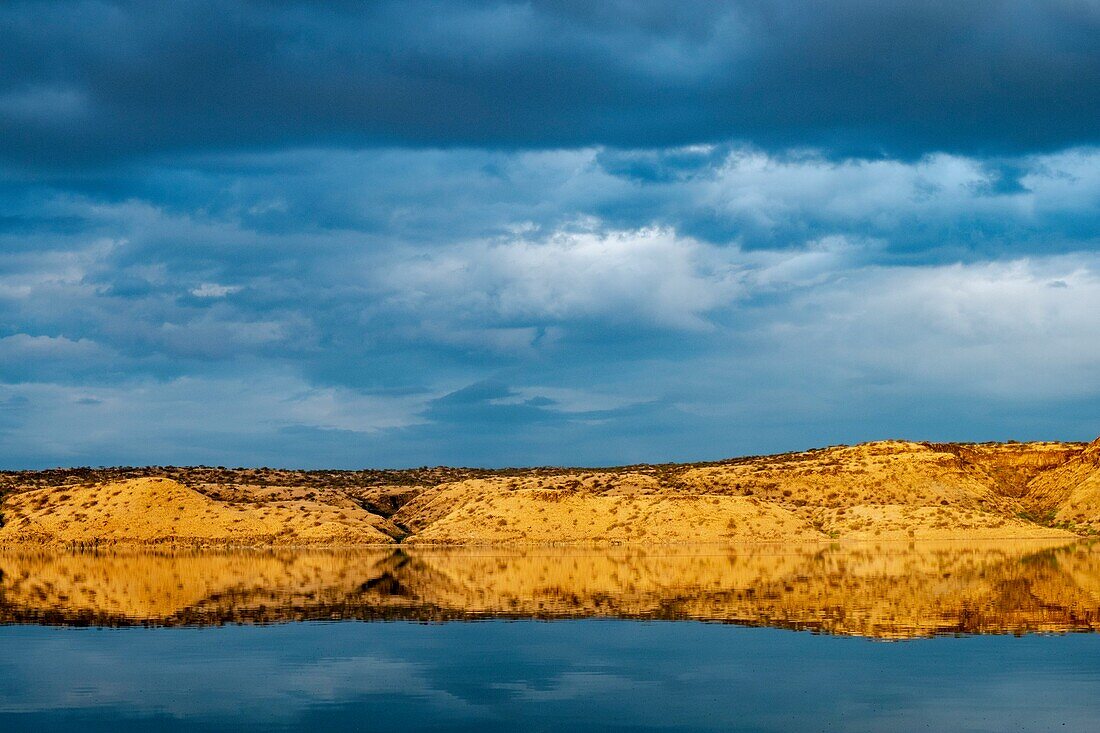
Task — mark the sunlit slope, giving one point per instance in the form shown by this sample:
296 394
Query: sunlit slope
883 490
152 510
487 513
887 490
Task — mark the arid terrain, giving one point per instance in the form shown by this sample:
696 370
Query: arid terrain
887 490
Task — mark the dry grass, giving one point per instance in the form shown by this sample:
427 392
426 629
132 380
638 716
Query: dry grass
540 516
882 490
150 510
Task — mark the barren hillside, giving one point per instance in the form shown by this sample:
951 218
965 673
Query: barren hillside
881 490
159 510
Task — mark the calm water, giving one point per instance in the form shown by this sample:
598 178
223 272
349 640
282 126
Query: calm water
872 638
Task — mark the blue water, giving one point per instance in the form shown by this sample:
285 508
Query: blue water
592 675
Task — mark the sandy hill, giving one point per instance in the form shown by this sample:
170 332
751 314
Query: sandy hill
880 490
152 510
1070 493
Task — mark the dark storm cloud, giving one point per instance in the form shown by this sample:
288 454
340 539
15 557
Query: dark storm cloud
491 233
84 82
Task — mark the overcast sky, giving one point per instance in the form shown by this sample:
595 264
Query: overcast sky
490 233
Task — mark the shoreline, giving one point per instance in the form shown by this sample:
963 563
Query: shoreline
173 547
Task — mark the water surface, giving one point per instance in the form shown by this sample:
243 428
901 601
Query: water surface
947 636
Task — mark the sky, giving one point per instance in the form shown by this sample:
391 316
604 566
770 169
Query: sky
496 234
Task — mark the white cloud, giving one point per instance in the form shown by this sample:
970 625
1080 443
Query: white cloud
1026 329
25 346
811 264
648 276
213 290
773 192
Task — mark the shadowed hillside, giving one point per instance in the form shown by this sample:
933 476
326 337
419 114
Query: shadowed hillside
881 490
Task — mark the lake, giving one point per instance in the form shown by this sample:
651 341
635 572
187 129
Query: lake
869 637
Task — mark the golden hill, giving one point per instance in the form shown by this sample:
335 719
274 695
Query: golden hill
883 490
156 510
875 491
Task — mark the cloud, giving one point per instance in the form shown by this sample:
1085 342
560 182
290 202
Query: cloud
938 206
193 419
994 329
647 276
213 290
334 307
33 358
853 77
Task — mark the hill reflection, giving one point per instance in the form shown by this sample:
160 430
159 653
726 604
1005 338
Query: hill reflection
875 590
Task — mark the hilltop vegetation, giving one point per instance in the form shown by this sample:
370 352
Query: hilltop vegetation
881 490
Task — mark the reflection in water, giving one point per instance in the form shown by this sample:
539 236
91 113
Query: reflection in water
877 590
591 675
